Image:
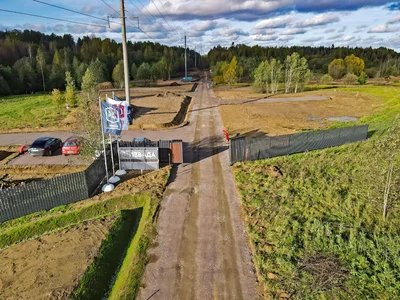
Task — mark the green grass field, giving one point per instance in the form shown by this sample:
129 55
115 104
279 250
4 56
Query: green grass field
315 220
29 111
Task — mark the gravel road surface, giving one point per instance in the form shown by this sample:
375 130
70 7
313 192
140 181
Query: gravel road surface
201 250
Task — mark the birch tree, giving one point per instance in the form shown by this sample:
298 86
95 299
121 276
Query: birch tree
275 71
41 63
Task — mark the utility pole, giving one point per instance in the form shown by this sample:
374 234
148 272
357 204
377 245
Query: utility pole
125 53
185 56
195 63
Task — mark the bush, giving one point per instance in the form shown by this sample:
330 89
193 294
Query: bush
219 80
362 79
326 79
57 98
350 79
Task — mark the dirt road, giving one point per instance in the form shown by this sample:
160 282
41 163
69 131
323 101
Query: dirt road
201 250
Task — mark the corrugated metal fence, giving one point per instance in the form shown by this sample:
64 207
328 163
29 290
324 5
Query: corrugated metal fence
46 194
244 148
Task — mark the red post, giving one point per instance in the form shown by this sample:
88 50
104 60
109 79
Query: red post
226 135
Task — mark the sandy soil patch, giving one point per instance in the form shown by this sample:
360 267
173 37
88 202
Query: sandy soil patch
238 93
51 266
286 118
155 111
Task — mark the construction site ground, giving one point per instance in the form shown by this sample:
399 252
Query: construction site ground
50 267
289 113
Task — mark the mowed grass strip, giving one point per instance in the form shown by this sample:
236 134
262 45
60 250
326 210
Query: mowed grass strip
315 221
128 280
29 111
97 279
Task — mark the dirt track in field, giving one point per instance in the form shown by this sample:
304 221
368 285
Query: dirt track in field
50 267
201 251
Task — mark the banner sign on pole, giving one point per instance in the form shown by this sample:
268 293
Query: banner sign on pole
123 106
110 118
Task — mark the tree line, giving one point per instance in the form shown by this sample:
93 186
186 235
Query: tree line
32 61
378 62
293 72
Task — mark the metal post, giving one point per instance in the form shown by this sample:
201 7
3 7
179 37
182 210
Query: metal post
185 58
104 145
112 155
195 62
125 53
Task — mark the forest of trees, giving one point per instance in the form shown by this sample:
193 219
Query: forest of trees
378 62
31 61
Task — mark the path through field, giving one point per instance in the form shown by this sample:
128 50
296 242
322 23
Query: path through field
201 251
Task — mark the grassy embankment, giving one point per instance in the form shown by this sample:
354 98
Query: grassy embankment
127 240
29 111
315 220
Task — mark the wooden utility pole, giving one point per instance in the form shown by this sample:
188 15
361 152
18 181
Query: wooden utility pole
125 53
185 58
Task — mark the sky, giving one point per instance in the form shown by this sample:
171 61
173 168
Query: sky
208 23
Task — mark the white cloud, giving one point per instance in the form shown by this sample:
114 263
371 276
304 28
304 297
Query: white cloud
233 32
293 31
277 22
383 29
394 20
321 19
205 25
264 38
330 30
348 38
335 37
312 39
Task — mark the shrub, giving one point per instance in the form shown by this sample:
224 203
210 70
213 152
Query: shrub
362 79
326 79
350 79
219 80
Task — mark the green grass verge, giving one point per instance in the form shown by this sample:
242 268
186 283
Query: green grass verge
97 279
128 280
29 111
317 231
55 222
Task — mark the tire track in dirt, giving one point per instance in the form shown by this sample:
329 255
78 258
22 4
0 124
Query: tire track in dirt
186 270
231 287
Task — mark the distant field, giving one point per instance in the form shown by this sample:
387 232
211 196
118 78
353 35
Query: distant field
315 221
367 103
30 112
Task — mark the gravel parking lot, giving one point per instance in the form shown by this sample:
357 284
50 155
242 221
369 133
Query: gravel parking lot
56 159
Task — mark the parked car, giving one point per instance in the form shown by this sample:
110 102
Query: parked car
71 146
45 146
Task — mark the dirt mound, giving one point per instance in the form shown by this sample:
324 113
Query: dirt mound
37 269
105 85
175 84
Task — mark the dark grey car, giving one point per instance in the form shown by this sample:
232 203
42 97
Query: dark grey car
45 146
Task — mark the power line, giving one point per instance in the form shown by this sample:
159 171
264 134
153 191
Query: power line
161 14
151 15
168 15
51 18
71 10
110 6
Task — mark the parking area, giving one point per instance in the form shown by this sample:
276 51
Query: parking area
56 159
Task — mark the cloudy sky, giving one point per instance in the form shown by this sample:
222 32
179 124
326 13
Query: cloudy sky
208 23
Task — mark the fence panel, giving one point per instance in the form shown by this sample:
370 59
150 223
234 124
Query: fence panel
243 149
46 194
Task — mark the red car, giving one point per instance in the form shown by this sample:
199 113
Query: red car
71 146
